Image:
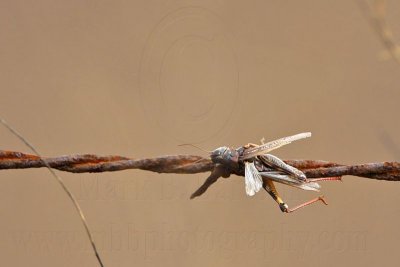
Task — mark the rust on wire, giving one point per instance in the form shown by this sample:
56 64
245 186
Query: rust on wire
187 164
250 161
94 163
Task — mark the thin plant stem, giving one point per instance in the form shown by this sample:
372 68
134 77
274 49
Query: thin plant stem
62 184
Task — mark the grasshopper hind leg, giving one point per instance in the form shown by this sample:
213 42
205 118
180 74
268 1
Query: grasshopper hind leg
269 186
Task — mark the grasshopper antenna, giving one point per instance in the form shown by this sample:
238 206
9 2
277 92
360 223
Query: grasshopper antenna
61 182
209 152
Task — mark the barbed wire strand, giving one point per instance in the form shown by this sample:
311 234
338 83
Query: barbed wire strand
44 163
187 164
180 164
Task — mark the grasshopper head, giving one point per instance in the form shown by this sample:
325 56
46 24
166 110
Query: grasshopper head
219 154
225 156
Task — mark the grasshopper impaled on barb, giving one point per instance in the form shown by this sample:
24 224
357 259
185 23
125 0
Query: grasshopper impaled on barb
261 170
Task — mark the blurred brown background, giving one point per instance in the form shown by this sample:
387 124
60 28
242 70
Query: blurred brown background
137 78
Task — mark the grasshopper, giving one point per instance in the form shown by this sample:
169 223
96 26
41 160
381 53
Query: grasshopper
262 169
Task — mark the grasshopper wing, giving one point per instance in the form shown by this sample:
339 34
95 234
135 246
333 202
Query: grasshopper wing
267 147
252 178
284 178
277 163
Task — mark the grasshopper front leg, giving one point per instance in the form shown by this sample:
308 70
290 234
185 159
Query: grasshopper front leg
218 172
250 145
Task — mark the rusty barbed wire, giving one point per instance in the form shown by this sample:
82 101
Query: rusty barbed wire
184 164
187 164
